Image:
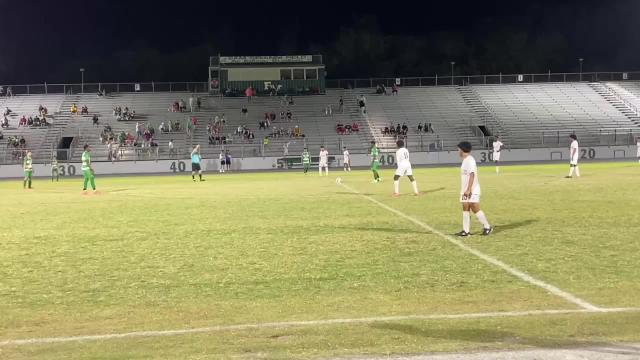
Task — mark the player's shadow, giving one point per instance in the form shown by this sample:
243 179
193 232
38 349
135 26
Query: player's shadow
499 336
384 229
514 225
431 191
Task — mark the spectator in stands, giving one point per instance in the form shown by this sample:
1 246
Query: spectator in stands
1 90
419 128
289 115
5 122
394 89
379 89
9 91
249 93
198 103
84 110
191 103
1 135
183 105
386 131
30 121
7 111
95 119
244 111
22 121
347 128
362 103
328 110
341 105
405 129
398 129
429 128
355 127
74 109
22 141
172 151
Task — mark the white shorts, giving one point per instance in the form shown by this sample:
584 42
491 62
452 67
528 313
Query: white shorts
574 161
474 198
496 156
403 170
639 152
347 161
323 164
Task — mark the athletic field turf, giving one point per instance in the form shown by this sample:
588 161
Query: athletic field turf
163 253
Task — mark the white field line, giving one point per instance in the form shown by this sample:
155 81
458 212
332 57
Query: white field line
292 324
511 270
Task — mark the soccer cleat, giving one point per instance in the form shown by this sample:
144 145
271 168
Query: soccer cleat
463 234
487 231
203 180
395 194
568 177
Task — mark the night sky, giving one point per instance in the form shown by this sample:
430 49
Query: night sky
153 40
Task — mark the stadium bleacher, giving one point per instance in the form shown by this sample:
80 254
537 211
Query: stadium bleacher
525 115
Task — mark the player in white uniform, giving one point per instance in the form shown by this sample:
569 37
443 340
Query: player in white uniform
324 161
638 145
404 168
346 160
497 147
470 192
574 155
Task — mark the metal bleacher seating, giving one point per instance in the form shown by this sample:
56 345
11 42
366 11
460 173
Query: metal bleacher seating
530 111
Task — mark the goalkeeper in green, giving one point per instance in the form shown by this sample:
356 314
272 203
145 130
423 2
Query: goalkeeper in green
27 164
306 160
87 170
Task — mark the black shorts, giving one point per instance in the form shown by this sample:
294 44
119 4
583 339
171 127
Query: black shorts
222 162
195 167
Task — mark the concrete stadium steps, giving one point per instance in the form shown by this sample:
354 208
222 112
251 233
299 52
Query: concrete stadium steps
37 138
625 96
529 109
444 107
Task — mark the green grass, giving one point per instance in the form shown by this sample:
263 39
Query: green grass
156 253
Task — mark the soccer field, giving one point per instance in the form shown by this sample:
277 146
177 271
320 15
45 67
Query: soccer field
256 265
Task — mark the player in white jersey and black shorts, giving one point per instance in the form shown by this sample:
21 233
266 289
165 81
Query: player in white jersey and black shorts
497 147
574 155
404 168
470 192
324 161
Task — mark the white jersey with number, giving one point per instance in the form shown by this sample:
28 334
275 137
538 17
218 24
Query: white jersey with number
404 164
345 155
469 167
324 158
497 146
574 155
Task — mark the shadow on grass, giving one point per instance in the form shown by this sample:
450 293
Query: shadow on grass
431 191
506 337
384 229
514 225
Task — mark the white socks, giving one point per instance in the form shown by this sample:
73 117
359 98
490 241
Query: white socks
466 221
415 187
497 169
571 169
483 219
396 186
577 172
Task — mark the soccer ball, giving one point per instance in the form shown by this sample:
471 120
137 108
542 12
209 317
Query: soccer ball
338 180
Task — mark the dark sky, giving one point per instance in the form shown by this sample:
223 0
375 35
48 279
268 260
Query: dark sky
49 40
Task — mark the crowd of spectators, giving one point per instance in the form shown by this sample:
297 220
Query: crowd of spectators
383 90
124 114
347 129
8 93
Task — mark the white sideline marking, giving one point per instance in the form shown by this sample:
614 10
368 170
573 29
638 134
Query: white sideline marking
513 271
291 324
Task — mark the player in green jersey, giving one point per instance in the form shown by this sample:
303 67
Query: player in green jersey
55 171
27 164
306 160
87 170
375 161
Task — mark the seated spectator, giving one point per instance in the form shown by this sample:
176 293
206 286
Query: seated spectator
37 122
122 138
30 121
5 122
7 111
22 121
394 89
183 105
289 115
23 142
419 127
95 120
74 109
340 128
244 111
84 110
348 129
385 131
